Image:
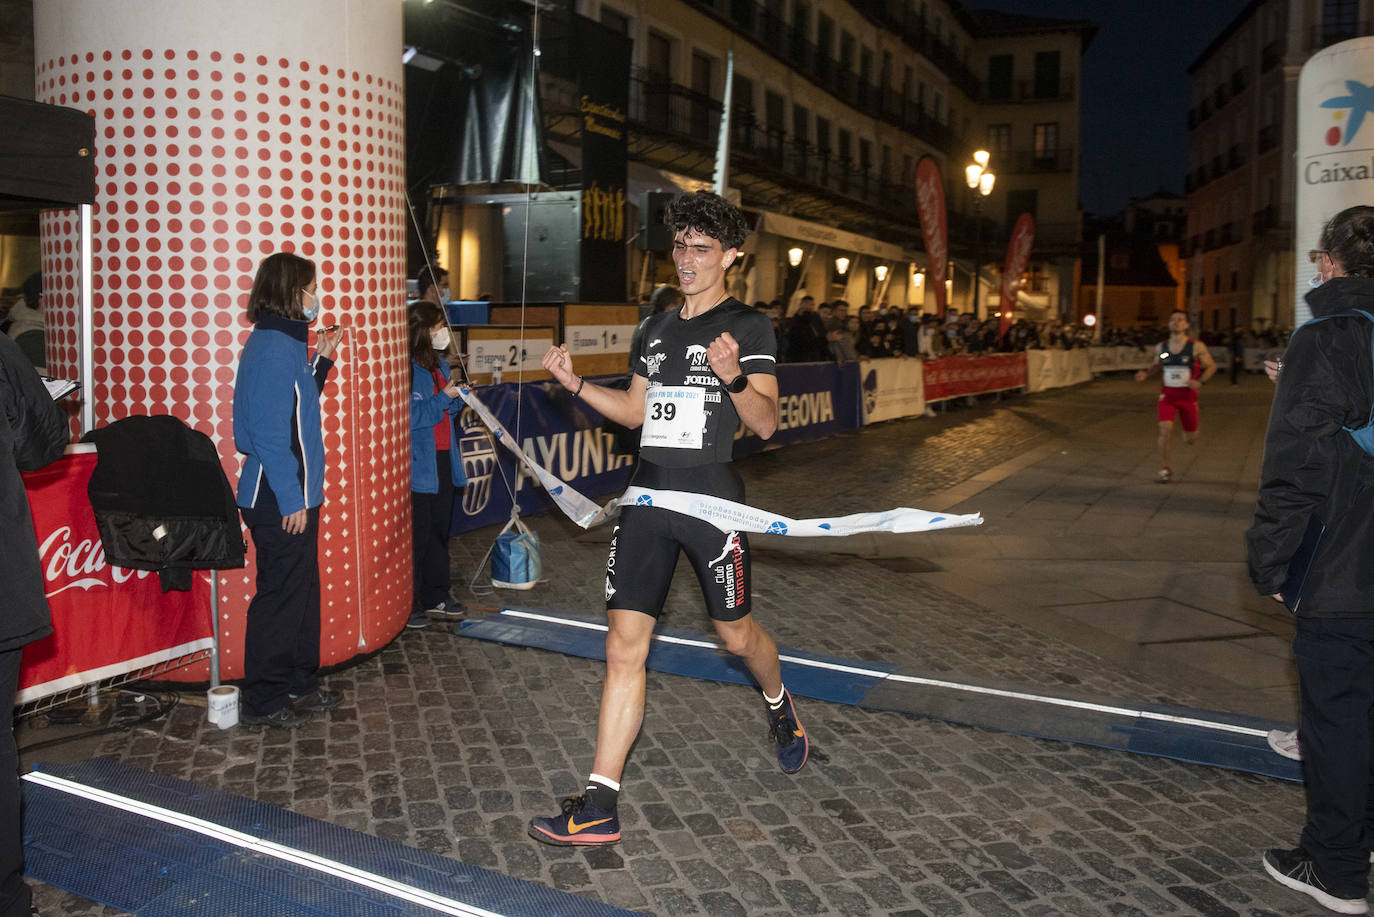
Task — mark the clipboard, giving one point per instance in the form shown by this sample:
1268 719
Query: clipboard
1300 564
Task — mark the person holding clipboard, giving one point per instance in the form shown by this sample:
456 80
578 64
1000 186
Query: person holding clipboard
1309 546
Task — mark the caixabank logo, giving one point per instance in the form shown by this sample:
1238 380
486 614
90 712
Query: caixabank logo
1339 158
1348 112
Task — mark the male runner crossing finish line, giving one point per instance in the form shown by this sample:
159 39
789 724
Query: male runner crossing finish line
1185 365
700 371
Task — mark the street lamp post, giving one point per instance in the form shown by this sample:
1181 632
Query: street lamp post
980 181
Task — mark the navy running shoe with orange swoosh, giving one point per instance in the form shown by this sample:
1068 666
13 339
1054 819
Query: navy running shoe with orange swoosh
786 730
580 824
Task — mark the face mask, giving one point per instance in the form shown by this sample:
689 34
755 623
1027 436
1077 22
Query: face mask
443 294
440 339
314 308
1315 282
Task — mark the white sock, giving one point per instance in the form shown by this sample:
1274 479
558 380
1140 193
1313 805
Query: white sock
775 702
604 781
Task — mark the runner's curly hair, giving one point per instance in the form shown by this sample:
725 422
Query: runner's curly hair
1348 237
709 214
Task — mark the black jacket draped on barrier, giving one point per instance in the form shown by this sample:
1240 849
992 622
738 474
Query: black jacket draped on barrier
161 500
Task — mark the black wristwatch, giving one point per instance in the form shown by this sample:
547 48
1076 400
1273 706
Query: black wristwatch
740 384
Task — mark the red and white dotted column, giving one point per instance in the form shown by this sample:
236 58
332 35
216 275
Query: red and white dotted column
224 134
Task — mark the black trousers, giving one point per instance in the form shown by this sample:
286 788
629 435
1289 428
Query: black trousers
281 646
14 892
432 520
1336 732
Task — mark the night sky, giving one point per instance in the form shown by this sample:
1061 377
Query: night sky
1135 88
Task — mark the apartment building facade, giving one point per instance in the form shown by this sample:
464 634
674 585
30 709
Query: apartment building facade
833 103
1241 183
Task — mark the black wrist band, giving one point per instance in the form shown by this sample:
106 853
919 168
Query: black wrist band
581 381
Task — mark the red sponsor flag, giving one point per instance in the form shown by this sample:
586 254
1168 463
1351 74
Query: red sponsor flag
930 206
1018 256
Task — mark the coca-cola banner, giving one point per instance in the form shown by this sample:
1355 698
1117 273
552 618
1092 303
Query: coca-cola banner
1018 256
930 206
107 621
953 377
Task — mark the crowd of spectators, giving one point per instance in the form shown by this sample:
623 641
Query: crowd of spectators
834 331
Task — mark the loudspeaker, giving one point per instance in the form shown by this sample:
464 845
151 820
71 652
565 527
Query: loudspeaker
654 235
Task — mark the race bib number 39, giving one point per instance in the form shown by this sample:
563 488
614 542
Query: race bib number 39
674 418
1177 376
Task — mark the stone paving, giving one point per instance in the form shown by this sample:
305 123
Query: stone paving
451 745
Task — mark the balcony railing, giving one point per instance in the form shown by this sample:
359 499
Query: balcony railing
1028 91
1016 162
665 107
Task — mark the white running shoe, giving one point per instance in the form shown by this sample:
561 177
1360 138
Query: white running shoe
1285 743
1163 476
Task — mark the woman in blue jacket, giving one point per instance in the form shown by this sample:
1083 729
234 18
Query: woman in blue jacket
435 470
281 487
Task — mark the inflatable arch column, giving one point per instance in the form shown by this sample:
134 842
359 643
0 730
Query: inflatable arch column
226 132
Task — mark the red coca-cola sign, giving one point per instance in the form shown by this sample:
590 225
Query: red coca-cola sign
930 207
107 620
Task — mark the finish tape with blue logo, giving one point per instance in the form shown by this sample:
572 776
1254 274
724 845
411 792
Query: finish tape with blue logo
726 515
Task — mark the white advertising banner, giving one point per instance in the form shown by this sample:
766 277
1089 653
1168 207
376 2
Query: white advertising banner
1056 369
598 339
892 387
1335 148
1115 359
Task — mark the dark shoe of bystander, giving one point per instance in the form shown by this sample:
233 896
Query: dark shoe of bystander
318 701
579 824
1295 869
286 718
418 619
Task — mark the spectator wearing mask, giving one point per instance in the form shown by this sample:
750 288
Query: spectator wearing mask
436 471
278 428
806 334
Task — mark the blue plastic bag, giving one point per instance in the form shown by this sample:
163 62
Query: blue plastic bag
515 561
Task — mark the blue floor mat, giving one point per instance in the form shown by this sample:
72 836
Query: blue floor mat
1184 733
206 852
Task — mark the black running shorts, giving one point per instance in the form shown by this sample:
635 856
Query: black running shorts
644 549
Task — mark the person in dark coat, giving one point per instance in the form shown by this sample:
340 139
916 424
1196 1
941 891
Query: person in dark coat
33 433
1314 473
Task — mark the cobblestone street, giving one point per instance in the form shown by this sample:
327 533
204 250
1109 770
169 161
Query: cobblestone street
451 744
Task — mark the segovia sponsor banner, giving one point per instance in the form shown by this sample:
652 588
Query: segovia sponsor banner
815 400
1335 147
953 377
107 620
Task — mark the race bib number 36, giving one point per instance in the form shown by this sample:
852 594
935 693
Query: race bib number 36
1177 376
674 418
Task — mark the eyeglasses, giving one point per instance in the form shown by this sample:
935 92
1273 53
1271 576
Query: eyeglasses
1315 254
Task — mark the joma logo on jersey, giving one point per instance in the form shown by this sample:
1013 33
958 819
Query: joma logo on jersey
697 354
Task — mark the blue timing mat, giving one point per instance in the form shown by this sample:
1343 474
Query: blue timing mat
1183 733
158 847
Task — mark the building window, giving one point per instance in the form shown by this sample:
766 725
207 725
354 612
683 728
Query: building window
1340 20
846 145
1235 281
1047 74
773 114
823 135
999 76
801 20
615 21
1021 201
1045 143
865 155
999 138
801 124
825 35
885 165
659 62
846 51
701 84
908 169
